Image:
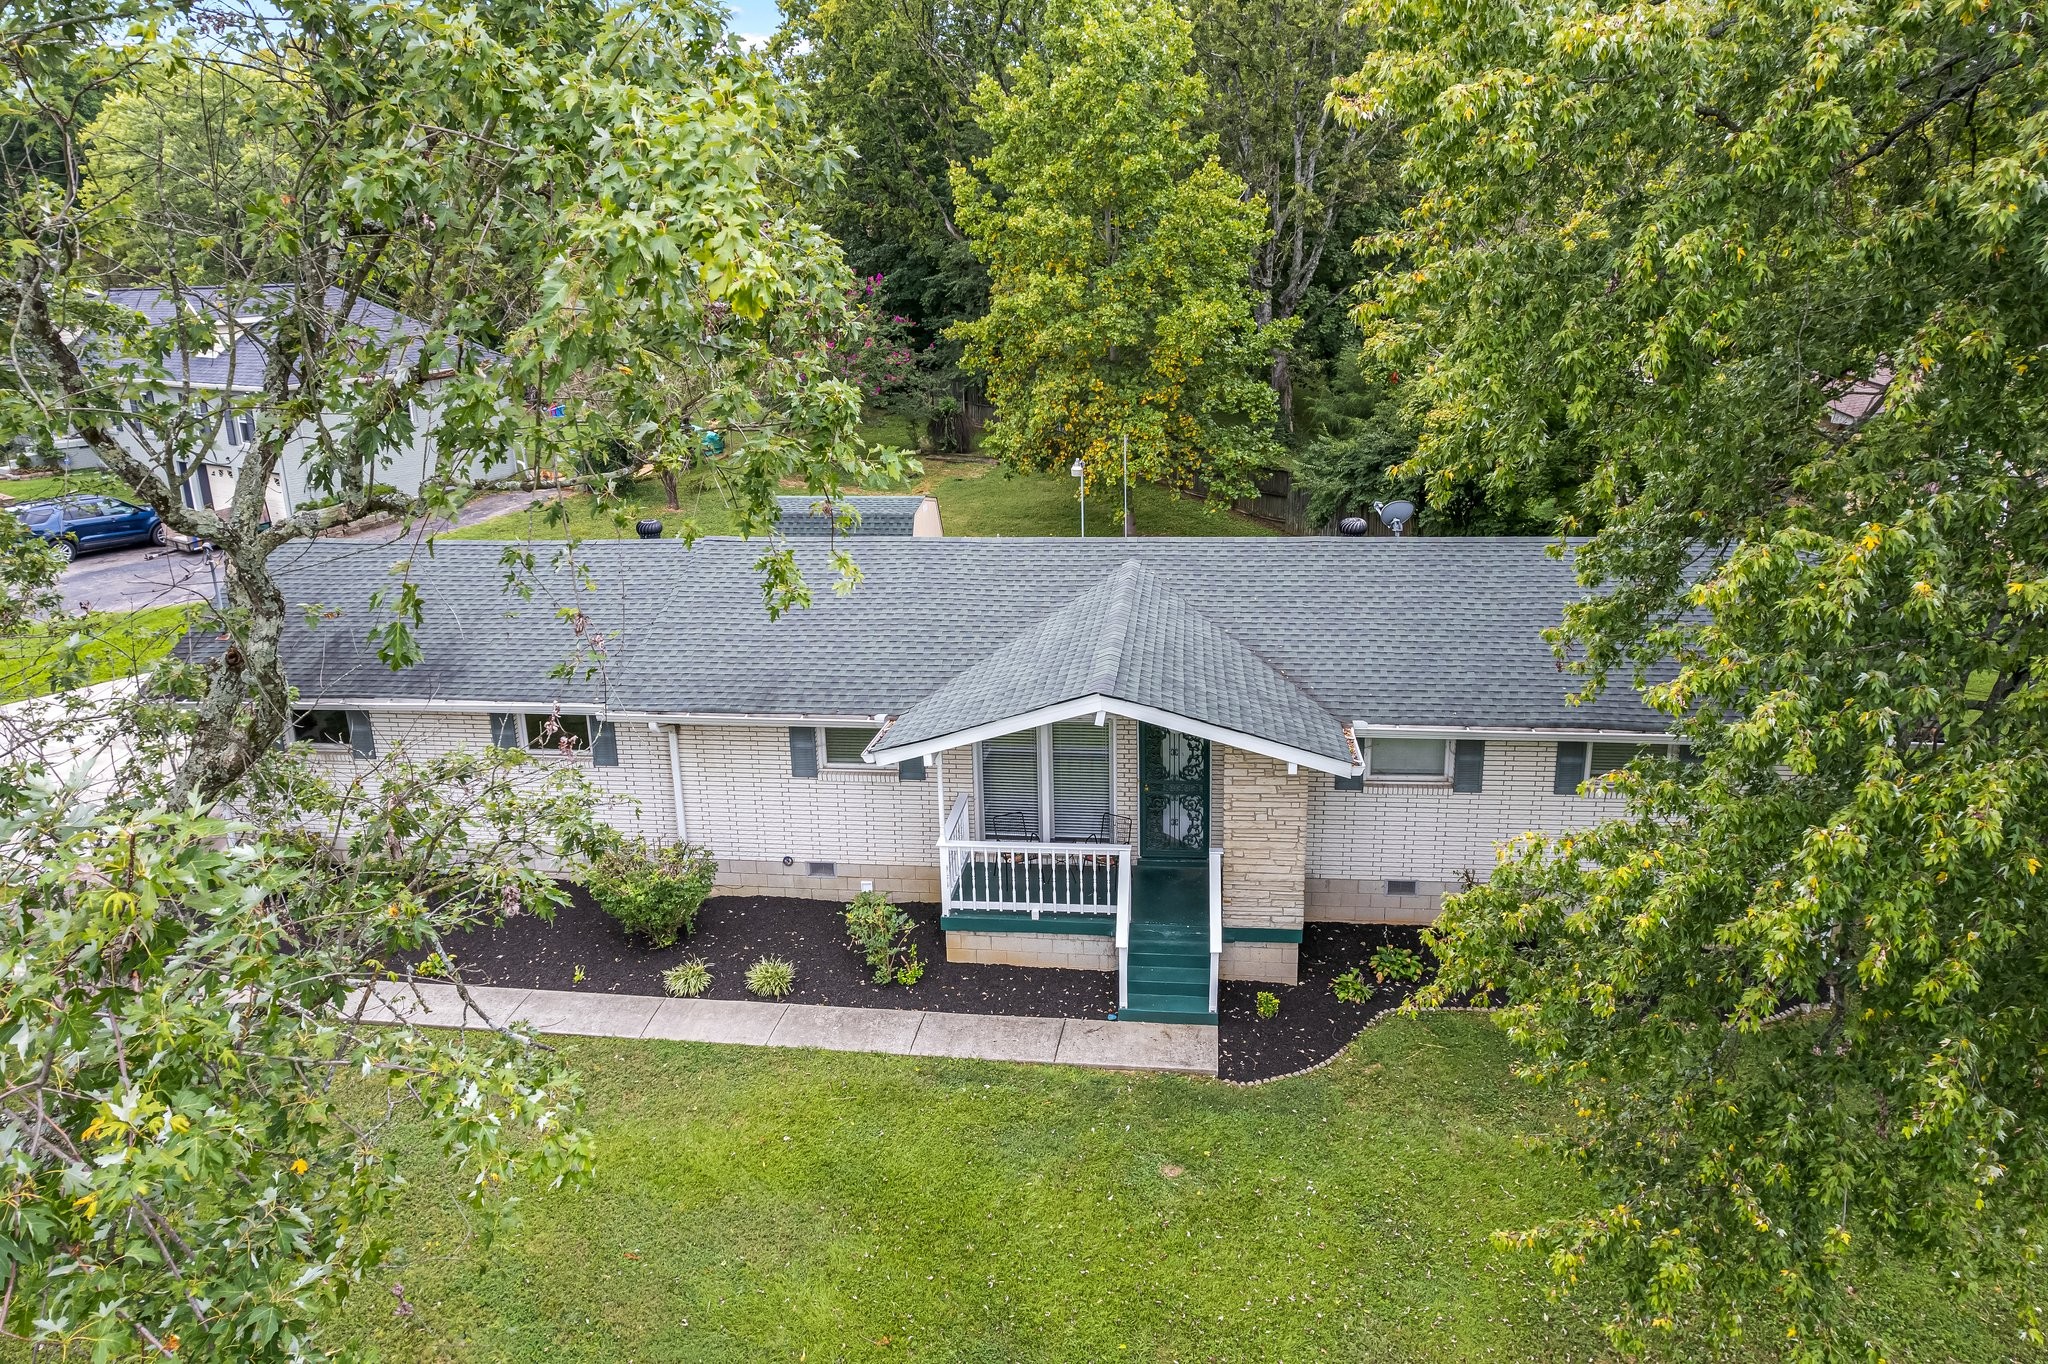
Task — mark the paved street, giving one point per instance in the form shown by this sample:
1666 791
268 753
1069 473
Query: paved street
130 579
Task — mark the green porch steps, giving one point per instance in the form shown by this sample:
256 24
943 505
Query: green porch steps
1168 979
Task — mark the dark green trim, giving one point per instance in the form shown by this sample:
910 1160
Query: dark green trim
1081 925
1232 934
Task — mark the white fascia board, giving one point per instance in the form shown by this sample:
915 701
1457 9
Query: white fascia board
444 707
1366 731
1086 707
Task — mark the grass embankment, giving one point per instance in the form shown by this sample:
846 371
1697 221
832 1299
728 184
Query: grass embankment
83 649
38 486
975 498
756 1204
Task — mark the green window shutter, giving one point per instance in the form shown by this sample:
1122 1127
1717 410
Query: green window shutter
1009 786
1081 796
1571 768
361 740
1356 783
803 751
505 731
910 769
604 743
1468 765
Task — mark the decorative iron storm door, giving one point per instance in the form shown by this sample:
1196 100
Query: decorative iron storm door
1173 795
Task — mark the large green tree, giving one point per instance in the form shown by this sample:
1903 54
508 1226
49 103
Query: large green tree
1119 254
897 79
1773 274
549 191
1324 181
177 154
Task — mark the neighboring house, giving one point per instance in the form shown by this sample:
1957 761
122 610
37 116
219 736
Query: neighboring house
811 517
1158 757
235 369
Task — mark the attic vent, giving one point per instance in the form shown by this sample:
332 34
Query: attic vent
822 868
1399 887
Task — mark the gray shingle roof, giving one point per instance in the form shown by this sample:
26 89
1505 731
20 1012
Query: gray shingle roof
1130 638
888 515
241 366
1417 631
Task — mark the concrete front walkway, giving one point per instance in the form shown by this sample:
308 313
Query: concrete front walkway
1183 1048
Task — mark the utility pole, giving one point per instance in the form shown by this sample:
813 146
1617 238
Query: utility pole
1129 529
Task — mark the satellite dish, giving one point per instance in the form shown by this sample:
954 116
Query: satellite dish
1395 514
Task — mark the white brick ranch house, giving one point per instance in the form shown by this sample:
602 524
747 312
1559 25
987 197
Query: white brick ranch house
1155 757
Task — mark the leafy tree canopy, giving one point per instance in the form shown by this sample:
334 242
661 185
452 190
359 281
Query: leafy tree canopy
550 192
1119 253
193 1102
1773 275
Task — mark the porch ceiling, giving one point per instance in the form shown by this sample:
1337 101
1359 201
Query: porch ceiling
1131 646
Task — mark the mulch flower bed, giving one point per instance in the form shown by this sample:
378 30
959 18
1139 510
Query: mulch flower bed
1312 1025
735 931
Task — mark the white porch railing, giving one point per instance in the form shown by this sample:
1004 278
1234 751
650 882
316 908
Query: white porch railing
1215 924
1003 876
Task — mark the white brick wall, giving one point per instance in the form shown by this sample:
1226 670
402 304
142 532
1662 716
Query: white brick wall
1430 834
740 800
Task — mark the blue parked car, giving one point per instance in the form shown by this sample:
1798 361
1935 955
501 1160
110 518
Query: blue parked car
83 522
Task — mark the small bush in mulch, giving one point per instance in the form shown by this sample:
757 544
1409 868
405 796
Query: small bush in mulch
881 933
653 890
687 979
771 978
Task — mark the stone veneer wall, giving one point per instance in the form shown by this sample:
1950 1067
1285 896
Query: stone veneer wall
1264 835
1430 834
1263 830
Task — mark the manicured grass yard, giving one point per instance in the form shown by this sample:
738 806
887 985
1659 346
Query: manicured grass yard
112 644
40 486
975 498
756 1204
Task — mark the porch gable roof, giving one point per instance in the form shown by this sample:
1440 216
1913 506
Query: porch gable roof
1133 646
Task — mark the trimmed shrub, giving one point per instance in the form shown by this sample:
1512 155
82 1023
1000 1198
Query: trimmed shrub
653 890
771 978
687 979
1267 1004
880 932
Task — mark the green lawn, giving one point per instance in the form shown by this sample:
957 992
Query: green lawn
756 1204
976 498
979 498
110 644
51 485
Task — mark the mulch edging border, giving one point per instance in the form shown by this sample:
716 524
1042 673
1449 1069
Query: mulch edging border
1376 1019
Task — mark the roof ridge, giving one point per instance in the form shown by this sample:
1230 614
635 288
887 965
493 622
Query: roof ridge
1108 663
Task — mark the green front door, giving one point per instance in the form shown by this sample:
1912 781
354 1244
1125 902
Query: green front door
1173 795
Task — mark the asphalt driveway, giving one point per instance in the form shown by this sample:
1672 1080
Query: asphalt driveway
130 579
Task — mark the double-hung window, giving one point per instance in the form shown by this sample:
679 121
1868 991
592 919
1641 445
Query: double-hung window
1581 760
1407 759
1058 778
558 733
843 746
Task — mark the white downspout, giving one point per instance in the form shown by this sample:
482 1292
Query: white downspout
675 785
